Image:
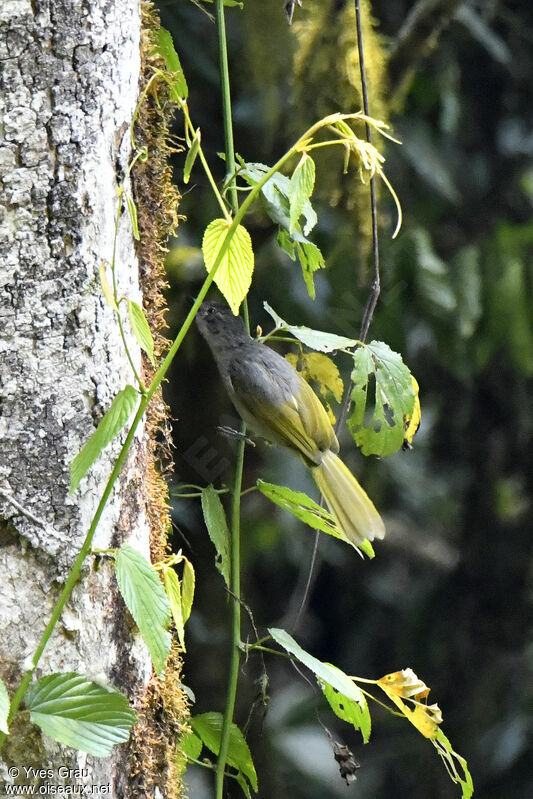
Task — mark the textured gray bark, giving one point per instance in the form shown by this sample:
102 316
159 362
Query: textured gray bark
69 73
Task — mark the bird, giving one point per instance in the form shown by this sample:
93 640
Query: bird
276 402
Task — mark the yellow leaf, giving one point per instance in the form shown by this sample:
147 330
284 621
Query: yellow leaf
412 422
315 366
405 685
106 288
234 272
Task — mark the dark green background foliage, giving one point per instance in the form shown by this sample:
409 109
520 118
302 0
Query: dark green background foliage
449 592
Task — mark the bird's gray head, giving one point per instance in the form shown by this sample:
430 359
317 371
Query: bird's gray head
220 328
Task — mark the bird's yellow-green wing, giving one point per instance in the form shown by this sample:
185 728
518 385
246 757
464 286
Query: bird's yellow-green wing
284 409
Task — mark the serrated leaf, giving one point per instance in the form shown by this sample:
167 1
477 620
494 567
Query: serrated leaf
165 49
141 329
80 713
377 423
234 273
275 194
310 259
208 727
314 339
189 747
187 589
301 187
326 674
146 600
309 512
173 591
191 156
107 291
217 527
354 712
132 210
409 694
4 707
287 244
108 428
191 744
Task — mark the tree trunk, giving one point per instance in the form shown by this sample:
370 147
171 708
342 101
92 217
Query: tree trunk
69 73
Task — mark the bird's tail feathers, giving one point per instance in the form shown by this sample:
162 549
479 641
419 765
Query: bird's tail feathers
352 508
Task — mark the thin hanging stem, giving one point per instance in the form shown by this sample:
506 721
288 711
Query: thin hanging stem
375 287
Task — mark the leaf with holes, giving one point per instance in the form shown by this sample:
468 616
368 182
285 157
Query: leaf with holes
377 423
236 264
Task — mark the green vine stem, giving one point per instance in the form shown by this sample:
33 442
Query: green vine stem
235 570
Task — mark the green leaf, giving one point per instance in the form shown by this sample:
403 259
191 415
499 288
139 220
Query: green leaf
330 676
275 194
310 259
141 329
354 712
244 785
208 727
80 713
309 512
217 527
314 339
132 210
4 707
165 49
191 745
187 589
109 426
234 274
173 591
301 187
146 600
378 424
191 155
450 758
286 243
